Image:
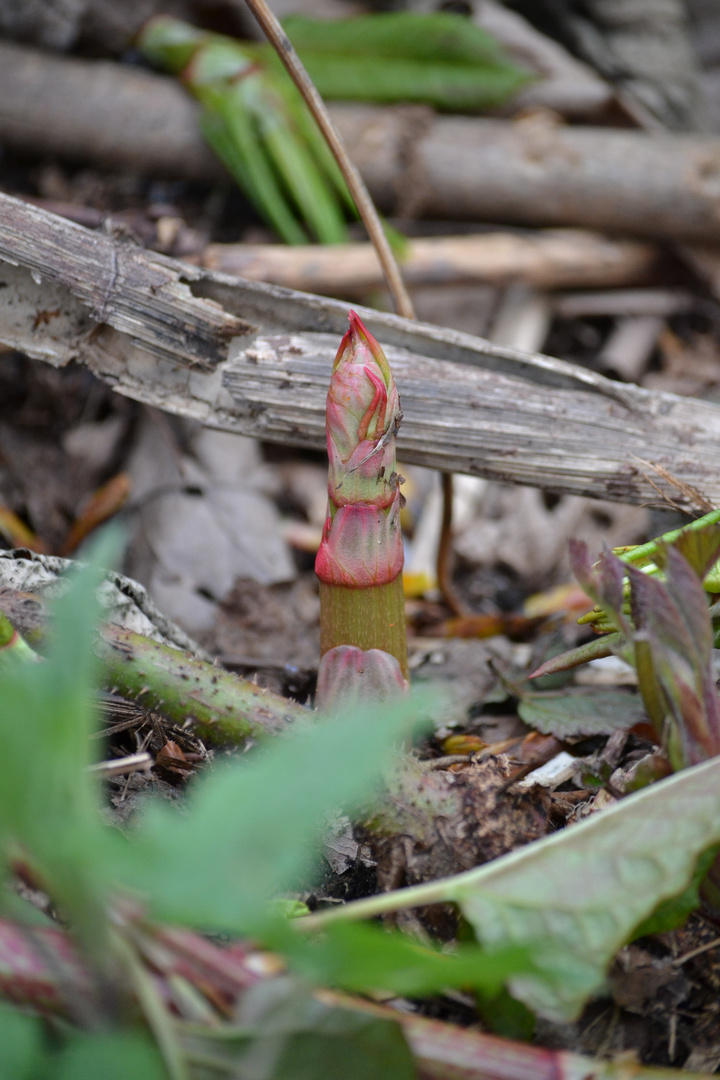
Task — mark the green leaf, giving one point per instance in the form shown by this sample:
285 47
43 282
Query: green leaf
700 547
250 829
232 133
256 120
574 898
673 912
21 1052
596 649
303 179
110 1055
581 711
440 59
49 805
582 892
405 35
367 958
456 88
673 653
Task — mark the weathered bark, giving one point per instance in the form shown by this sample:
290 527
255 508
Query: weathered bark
539 172
530 172
545 260
116 284
470 406
117 117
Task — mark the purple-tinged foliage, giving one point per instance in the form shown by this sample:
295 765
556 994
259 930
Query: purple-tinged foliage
668 637
350 678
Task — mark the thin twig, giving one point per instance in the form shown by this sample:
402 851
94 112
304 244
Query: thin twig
443 566
691 493
697 952
365 206
130 764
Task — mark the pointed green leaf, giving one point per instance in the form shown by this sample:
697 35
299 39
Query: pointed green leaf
597 649
49 804
699 547
363 959
574 898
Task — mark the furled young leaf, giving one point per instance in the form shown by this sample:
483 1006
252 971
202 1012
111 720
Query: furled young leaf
251 827
673 653
581 711
574 898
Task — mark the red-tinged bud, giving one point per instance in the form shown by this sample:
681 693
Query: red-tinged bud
349 678
361 547
367 475
362 417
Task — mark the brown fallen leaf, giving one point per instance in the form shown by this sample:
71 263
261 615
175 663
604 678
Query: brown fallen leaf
172 758
101 505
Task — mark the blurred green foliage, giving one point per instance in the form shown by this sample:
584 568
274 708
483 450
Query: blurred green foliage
257 123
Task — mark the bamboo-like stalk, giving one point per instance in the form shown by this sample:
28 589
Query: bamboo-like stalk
360 559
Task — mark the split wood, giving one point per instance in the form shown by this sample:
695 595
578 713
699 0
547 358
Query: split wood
255 359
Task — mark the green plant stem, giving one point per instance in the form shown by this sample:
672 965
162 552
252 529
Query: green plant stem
221 706
643 551
368 618
430 892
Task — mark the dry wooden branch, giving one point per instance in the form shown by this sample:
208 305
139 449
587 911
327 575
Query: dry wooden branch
117 284
528 172
546 260
139 320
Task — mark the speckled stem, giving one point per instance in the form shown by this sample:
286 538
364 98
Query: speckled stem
368 618
221 707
